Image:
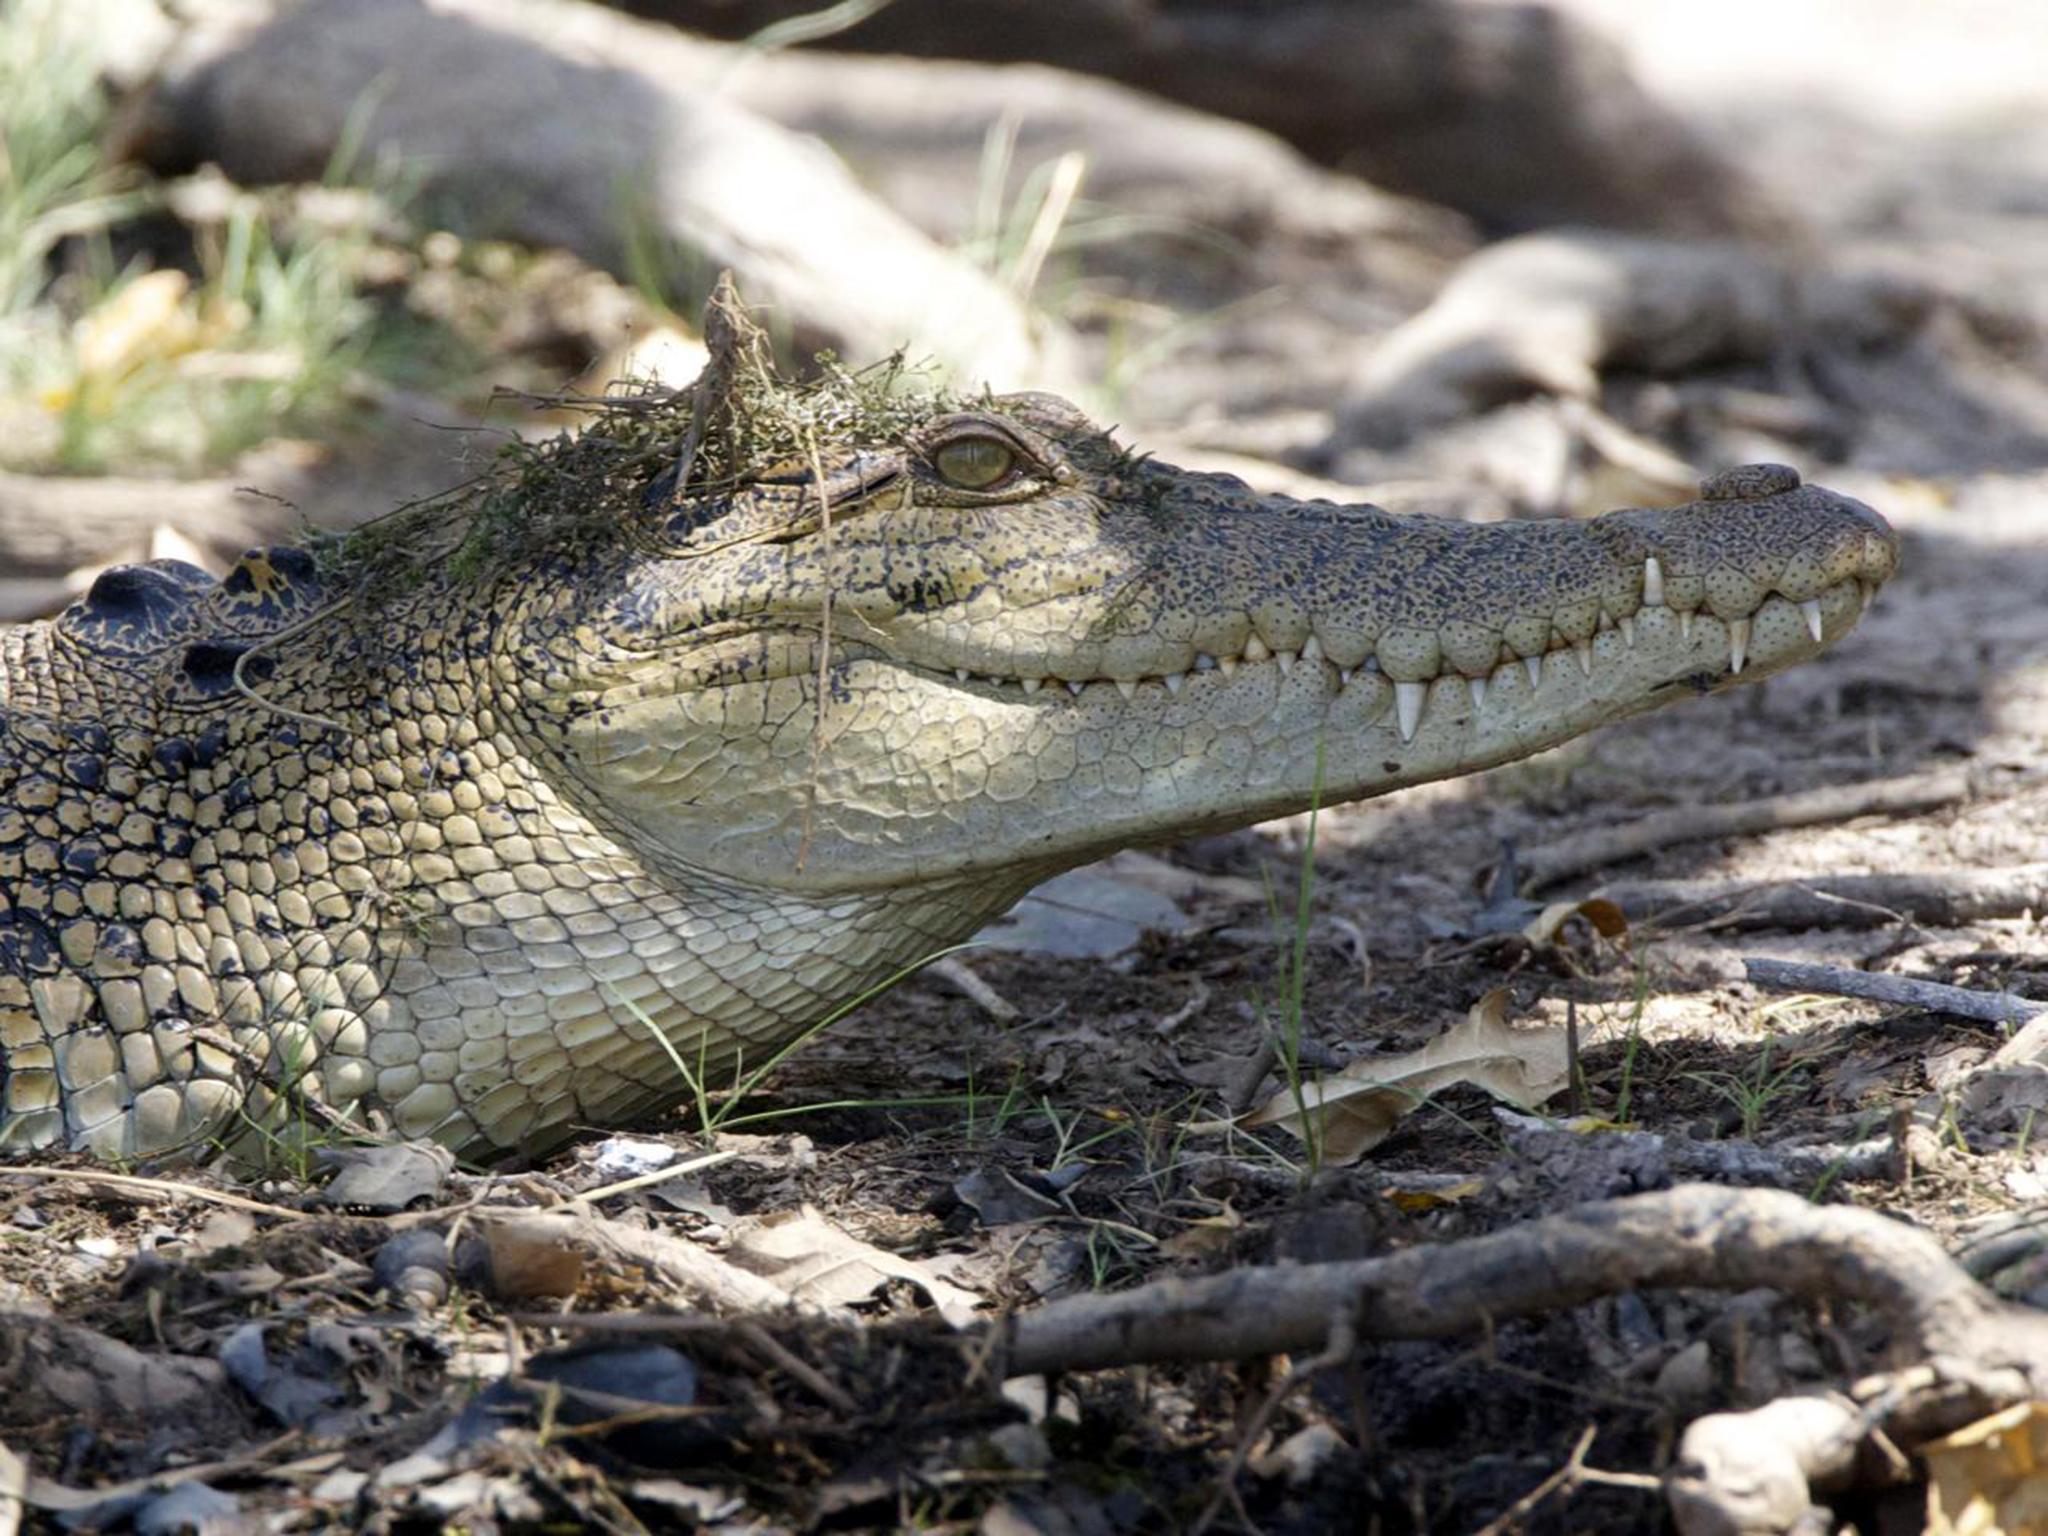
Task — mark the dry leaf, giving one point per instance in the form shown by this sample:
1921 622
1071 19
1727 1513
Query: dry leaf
1987 1479
1605 918
1416 1200
804 1254
534 1256
1358 1108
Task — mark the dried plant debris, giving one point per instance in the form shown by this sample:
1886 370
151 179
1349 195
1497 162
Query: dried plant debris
739 419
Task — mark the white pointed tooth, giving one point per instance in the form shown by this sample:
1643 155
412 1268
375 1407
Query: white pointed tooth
1311 649
1204 662
1074 688
1653 581
1032 684
1173 680
1628 628
1738 644
962 673
1127 687
1606 620
1344 677
1533 665
1408 701
1255 650
1583 649
1811 608
1228 664
1478 687
1286 660
1685 625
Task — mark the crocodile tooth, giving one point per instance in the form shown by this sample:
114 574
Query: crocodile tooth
1583 649
1074 688
1738 644
1533 665
1478 687
1173 680
963 674
1204 662
1127 687
1811 608
1286 660
1685 625
1653 581
1606 620
1408 701
1628 628
1255 650
1311 649
1032 684
1344 677
1228 664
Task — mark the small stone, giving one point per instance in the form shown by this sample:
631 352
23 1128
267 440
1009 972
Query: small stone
1687 1379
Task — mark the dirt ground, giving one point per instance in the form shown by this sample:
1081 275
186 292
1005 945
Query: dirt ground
1066 1126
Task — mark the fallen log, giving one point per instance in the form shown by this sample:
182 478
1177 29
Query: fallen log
638 163
1518 115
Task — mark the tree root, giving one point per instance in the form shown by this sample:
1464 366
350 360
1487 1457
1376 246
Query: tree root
1961 1351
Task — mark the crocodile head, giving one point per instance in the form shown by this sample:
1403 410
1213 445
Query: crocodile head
687 733
997 644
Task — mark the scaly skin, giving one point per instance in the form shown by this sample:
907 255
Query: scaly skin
449 855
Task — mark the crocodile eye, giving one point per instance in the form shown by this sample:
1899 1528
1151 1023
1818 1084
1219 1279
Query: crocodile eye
975 463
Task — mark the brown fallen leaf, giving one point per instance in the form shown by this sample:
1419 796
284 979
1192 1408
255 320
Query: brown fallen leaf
1357 1109
1987 1478
1605 918
804 1254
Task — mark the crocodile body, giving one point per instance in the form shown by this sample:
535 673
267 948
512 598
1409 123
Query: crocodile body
483 840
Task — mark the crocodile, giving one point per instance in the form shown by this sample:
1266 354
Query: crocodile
522 810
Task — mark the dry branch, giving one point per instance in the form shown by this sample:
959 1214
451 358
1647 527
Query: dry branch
1965 1352
1549 863
1697 1236
1935 996
1947 899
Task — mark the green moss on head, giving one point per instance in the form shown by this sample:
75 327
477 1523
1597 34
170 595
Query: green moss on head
739 418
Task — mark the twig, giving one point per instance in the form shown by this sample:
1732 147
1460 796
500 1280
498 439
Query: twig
803 846
1601 846
1935 996
169 1189
1337 1348
820 1386
1948 899
1565 1477
954 972
643 1180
